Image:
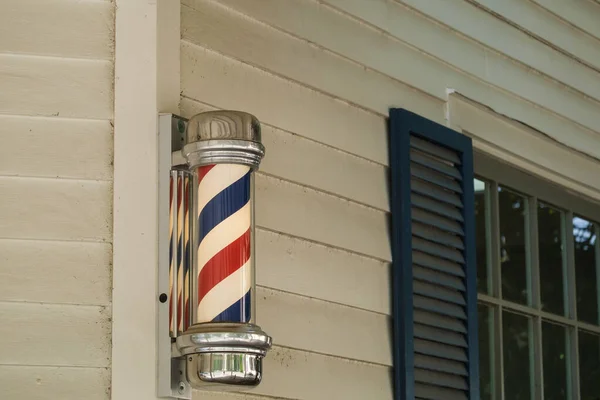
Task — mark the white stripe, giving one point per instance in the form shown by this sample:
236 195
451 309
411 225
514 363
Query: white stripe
217 179
223 234
225 293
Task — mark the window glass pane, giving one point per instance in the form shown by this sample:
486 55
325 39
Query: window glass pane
481 197
589 366
517 356
486 352
513 256
585 270
551 256
554 353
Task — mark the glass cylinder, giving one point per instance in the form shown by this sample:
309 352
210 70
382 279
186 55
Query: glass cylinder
223 251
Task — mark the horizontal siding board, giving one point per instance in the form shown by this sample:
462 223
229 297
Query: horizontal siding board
61 335
328 170
310 269
225 83
210 25
530 148
326 328
55 147
301 375
51 383
368 46
303 212
55 272
583 14
468 55
67 28
48 86
35 208
551 29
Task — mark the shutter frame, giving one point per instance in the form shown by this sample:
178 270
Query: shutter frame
403 125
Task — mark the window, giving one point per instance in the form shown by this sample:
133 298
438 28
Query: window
495 277
537 253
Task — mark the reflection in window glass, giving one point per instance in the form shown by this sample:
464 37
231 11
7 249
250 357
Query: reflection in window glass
517 356
551 258
481 235
513 256
486 351
554 353
585 270
589 366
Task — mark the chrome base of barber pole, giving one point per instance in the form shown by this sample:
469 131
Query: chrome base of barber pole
223 354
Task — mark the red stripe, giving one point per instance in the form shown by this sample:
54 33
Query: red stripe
223 264
202 171
179 193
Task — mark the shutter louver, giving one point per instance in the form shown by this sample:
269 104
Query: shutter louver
433 250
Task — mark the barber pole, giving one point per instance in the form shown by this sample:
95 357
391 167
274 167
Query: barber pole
224 249
216 332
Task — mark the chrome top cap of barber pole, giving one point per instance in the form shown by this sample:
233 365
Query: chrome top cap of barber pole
231 137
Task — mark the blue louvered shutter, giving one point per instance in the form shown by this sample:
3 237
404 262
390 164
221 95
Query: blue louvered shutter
434 288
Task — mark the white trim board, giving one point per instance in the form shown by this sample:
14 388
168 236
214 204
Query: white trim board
524 147
146 82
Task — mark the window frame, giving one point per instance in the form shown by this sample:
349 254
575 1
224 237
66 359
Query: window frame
536 189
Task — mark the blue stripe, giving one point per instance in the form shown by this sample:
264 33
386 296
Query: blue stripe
237 312
223 205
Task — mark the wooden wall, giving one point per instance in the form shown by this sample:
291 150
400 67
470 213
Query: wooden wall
56 106
521 77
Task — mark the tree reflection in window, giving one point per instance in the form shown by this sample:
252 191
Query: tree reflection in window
513 240
584 238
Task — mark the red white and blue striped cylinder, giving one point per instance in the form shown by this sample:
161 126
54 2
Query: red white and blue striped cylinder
224 258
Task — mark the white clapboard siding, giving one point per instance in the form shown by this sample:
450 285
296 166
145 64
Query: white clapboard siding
323 327
547 26
532 149
274 106
368 46
315 270
468 55
584 14
295 374
299 211
205 75
52 383
54 334
34 208
55 272
309 163
55 147
50 86
67 28
211 25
